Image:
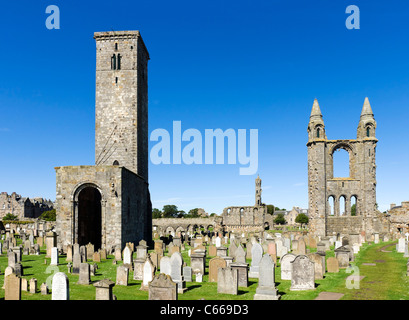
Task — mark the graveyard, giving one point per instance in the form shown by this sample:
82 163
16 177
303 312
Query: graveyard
376 271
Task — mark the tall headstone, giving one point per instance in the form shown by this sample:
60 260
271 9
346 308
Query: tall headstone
12 287
85 277
148 274
122 275
176 265
214 265
54 257
285 264
60 287
266 282
256 254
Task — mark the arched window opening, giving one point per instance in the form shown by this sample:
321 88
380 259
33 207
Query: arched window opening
119 61
342 204
331 204
340 163
116 163
318 132
353 206
368 131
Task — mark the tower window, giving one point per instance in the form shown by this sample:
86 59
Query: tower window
119 61
318 132
368 131
116 46
116 163
113 62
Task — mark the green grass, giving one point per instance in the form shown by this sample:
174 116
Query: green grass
385 281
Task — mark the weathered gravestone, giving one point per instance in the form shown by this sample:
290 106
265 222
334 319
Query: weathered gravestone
122 274
12 287
319 264
85 277
33 285
163 288
214 265
285 263
176 265
266 281
302 273
60 287
227 281
103 289
187 273
332 265
256 254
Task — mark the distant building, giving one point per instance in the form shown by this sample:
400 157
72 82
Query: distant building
291 215
23 207
399 218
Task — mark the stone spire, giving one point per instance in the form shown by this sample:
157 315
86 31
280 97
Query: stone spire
316 127
316 111
367 123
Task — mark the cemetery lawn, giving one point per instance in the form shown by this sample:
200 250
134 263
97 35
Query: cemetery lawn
385 281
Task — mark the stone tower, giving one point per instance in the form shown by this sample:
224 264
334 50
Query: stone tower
121 101
258 191
358 187
109 204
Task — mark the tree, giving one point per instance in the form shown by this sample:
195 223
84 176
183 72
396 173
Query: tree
302 219
10 217
49 215
279 219
170 211
193 213
353 210
270 209
156 213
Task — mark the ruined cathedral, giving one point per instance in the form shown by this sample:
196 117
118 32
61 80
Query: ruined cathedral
326 192
108 204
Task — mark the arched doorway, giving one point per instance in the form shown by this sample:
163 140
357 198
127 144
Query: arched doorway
89 217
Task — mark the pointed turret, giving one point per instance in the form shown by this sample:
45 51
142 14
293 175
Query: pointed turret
316 111
367 123
366 109
316 127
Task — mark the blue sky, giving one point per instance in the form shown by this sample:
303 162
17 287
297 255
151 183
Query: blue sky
214 64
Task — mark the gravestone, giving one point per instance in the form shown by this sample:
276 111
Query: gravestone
138 269
214 265
148 274
60 287
227 281
142 250
76 260
122 275
332 265
85 277
301 247
212 251
12 287
90 251
198 262
176 265
127 257
222 251
266 284
103 289
302 273
257 254
24 284
162 288
165 265
54 257
44 288
96 257
118 254
187 273
319 264
286 267
342 254
69 253
33 285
